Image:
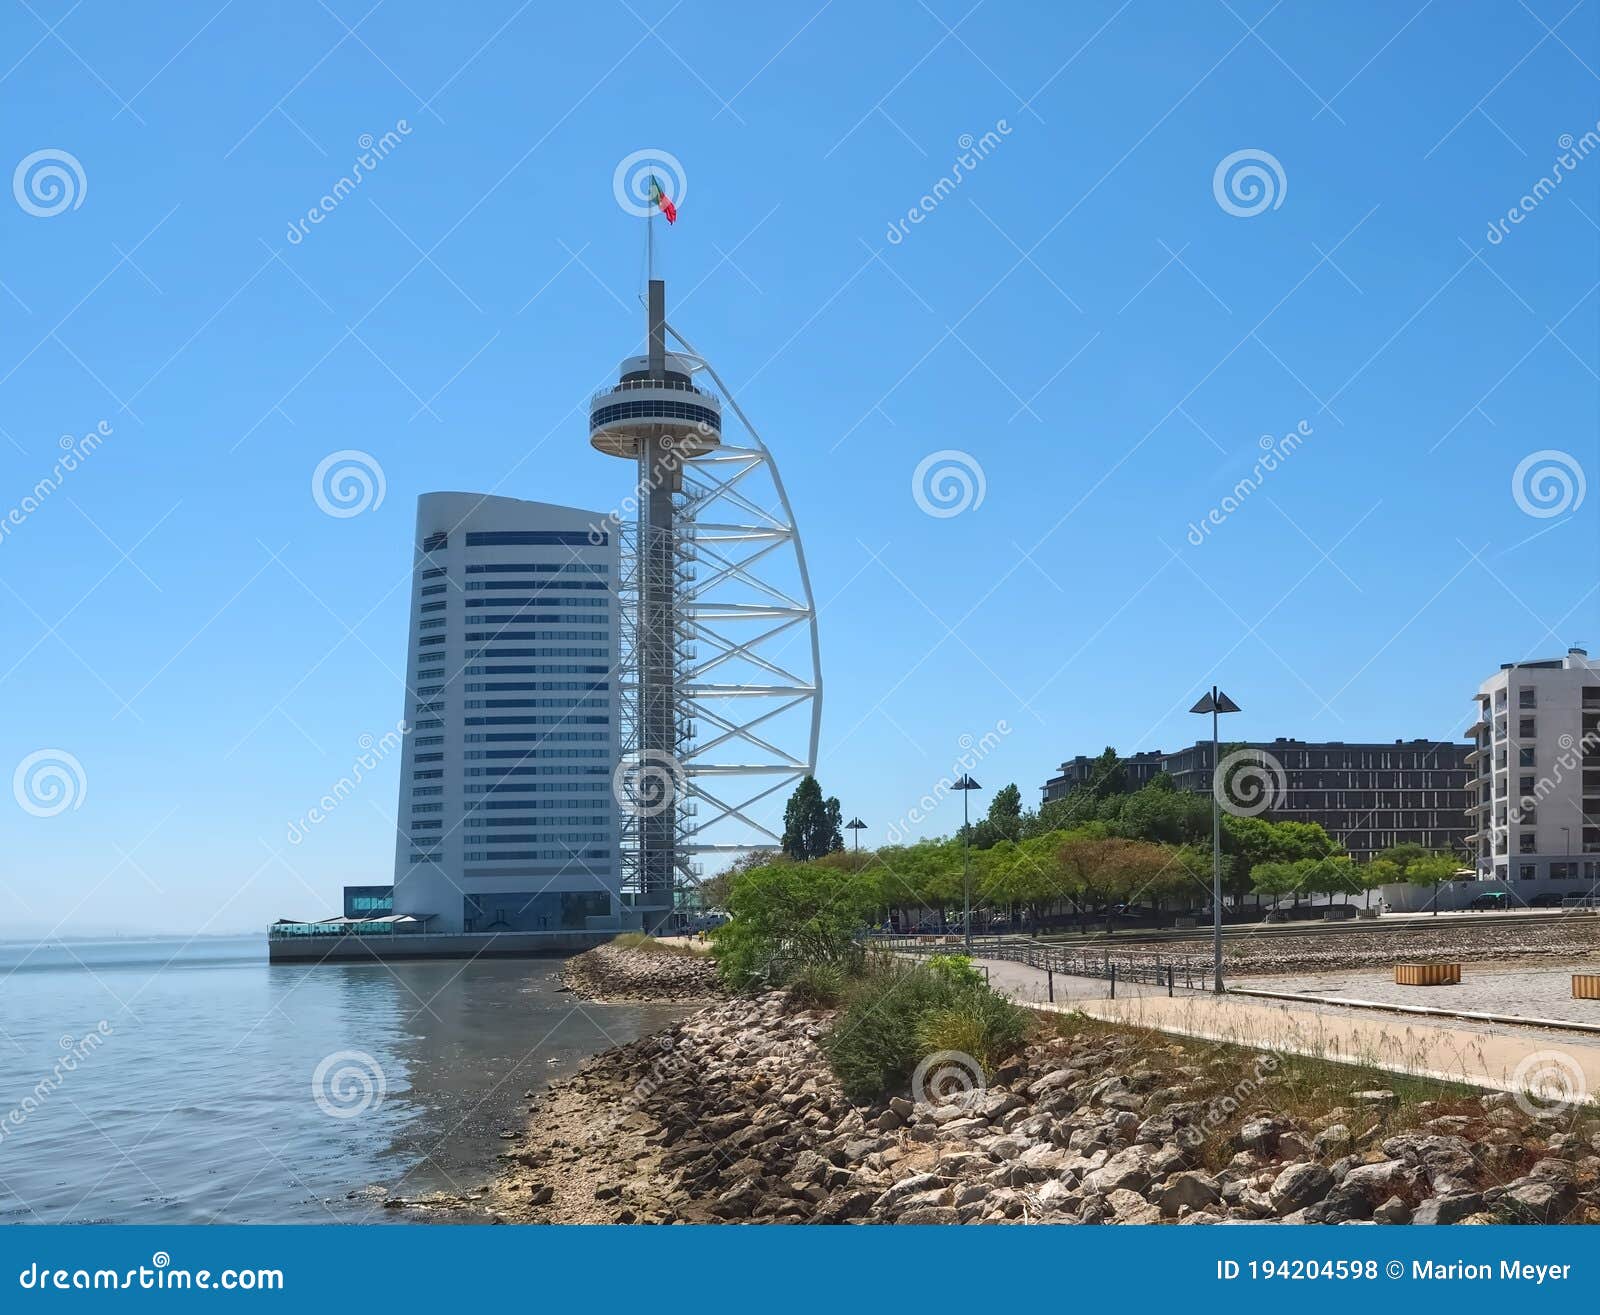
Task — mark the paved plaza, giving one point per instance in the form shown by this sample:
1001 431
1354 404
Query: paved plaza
1543 991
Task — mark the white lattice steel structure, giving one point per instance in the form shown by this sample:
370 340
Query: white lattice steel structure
719 655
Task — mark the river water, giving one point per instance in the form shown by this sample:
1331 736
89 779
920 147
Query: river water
189 1081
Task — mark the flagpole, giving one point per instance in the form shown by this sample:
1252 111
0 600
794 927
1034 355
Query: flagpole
650 244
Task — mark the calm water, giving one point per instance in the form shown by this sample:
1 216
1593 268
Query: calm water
207 1093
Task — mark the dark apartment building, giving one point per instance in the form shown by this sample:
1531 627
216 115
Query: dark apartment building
1367 796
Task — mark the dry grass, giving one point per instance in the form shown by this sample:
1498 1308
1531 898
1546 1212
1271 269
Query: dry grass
1235 1082
637 940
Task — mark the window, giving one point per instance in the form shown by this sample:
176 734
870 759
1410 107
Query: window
430 758
540 585
1526 786
431 639
437 623
434 825
430 739
427 808
1527 698
1525 729
425 690
436 607
431 774
427 790
434 572
1525 756
433 542
1527 843
427 724
1527 871
536 538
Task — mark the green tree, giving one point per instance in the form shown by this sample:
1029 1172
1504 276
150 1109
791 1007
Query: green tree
1005 812
811 824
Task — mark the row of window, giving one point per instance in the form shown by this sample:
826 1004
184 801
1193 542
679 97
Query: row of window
545 568
536 539
552 737
654 409
479 636
537 753
539 703
534 601
522 787
542 586
531 618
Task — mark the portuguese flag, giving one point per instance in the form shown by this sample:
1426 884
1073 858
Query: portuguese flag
660 198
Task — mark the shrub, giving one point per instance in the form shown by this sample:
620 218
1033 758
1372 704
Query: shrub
979 1023
957 969
818 986
873 1045
787 917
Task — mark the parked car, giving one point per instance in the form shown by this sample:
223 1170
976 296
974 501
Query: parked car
1551 899
1489 900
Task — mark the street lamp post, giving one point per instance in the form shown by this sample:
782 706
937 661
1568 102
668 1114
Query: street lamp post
966 785
858 826
1216 703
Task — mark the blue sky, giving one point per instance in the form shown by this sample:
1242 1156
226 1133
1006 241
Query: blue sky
1080 317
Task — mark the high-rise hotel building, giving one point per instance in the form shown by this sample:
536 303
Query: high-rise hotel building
507 819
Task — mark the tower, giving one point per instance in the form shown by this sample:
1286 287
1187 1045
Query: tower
711 561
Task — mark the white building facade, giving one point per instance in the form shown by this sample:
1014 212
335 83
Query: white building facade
507 819
1536 777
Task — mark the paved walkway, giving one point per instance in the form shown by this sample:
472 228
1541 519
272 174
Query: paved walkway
1546 1061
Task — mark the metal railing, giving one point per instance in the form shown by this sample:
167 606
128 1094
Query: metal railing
1154 969
631 385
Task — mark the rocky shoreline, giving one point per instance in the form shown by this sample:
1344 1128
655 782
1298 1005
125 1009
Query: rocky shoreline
617 975
733 1116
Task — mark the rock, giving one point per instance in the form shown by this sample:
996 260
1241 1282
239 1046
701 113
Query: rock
1535 1200
1054 1080
1127 1169
1330 1141
917 1182
1393 1211
849 1205
1298 1186
930 1214
1382 1176
1259 1135
1131 1208
1054 1195
1343 1203
541 1194
1379 1096
888 1121
1187 1191
1448 1209
901 1106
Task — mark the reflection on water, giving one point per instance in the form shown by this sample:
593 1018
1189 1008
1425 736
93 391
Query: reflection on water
219 1088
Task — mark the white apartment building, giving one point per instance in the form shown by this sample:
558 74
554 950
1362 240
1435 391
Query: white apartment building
1536 777
507 821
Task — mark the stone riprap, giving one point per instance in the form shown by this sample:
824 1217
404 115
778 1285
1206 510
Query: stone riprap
612 974
733 1116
